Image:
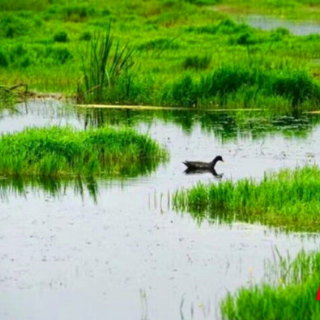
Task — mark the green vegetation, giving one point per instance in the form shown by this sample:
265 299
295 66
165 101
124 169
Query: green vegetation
57 151
233 86
292 295
175 53
289 199
10 95
107 77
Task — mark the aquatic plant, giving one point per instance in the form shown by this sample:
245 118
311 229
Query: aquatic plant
103 69
291 295
10 95
289 199
58 151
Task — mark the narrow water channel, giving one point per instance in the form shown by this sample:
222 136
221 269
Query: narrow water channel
118 250
299 28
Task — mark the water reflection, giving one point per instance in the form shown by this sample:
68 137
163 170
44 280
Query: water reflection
225 125
52 187
199 171
299 28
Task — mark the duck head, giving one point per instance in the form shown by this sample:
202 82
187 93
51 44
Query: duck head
215 160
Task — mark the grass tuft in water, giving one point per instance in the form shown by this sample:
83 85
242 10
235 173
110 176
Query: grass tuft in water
288 199
58 151
291 296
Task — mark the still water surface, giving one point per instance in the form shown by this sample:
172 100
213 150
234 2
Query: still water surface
121 252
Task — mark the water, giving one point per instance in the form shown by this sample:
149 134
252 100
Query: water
299 28
296 27
121 252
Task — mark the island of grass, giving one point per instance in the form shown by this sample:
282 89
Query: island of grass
291 295
63 151
289 199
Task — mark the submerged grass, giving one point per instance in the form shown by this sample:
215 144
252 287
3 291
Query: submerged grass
289 199
58 151
292 295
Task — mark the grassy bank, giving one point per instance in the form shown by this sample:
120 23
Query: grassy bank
60 151
183 53
292 295
288 199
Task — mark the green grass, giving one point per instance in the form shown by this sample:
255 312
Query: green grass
289 199
57 151
246 86
292 295
43 44
107 72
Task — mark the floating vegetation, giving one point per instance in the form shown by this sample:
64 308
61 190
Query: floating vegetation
292 295
58 151
289 199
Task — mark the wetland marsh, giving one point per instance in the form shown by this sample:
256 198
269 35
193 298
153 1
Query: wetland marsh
98 217
92 246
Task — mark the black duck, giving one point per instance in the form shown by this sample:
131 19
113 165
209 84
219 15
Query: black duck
202 166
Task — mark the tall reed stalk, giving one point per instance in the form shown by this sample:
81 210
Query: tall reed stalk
103 65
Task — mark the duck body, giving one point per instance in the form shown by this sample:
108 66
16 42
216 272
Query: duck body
202 166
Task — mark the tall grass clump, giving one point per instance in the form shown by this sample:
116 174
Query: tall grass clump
107 72
63 151
289 199
291 296
197 62
61 36
248 85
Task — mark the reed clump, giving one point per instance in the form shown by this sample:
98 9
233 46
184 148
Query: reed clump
63 151
289 199
107 72
247 85
292 295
